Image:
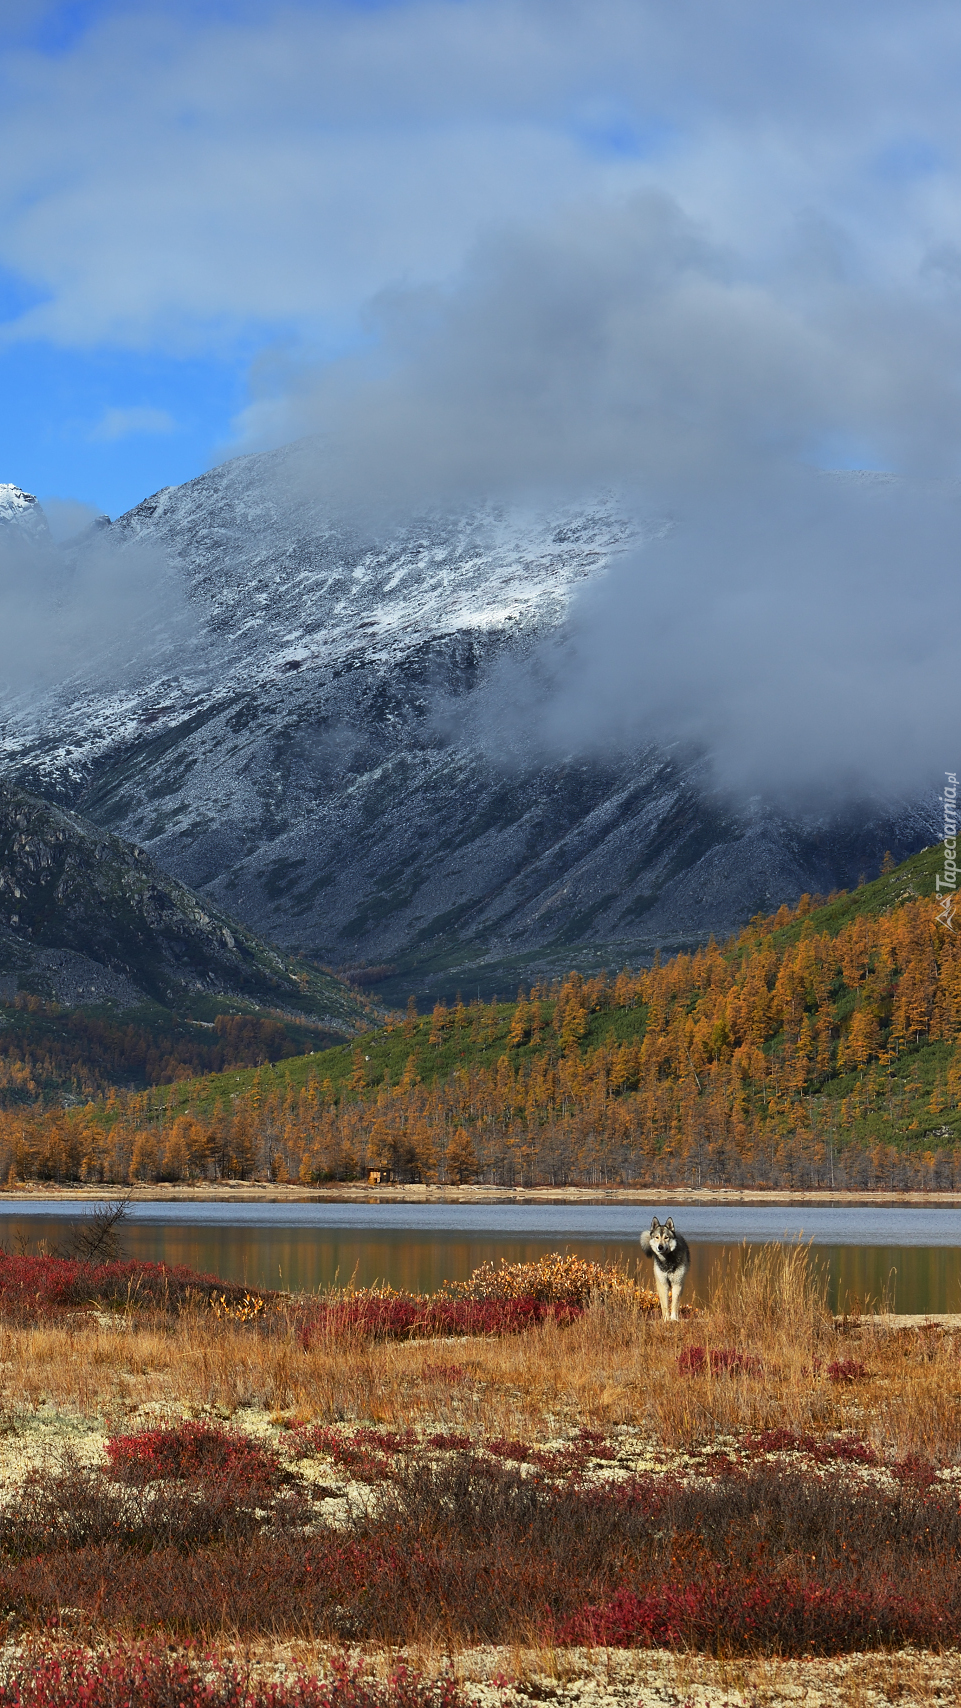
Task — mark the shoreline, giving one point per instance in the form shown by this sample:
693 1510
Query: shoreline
254 1192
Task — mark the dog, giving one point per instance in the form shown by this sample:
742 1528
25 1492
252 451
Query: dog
672 1260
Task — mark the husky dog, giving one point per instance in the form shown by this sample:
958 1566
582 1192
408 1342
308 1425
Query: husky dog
672 1260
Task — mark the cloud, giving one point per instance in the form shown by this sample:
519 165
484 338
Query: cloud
182 179
67 516
121 423
801 632
621 344
84 613
798 625
181 176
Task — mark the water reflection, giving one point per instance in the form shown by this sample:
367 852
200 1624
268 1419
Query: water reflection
911 1278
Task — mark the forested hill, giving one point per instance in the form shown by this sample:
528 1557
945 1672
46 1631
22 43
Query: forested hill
819 1047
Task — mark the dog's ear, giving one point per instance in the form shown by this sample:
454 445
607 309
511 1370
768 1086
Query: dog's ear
670 1223
655 1224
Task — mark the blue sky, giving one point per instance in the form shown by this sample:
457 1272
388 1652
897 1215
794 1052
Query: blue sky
210 214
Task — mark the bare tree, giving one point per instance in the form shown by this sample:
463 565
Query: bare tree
98 1236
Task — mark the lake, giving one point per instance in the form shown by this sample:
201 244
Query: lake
911 1256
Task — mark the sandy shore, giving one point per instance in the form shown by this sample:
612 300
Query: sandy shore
263 1192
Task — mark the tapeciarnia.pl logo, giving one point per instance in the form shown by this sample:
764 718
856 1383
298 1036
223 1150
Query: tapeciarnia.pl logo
949 882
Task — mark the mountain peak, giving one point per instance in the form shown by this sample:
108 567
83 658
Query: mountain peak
21 510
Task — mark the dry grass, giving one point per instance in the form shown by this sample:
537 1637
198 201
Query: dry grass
625 1679
615 1365
646 1679
780 1363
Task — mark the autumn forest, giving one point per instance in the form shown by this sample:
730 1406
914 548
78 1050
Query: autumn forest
820 1047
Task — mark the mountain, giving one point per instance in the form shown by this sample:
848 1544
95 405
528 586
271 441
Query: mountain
301 739
88 919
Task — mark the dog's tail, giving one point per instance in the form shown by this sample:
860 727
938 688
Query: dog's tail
646 1242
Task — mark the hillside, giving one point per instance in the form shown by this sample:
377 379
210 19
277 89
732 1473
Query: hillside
304 738
111 972
820 1047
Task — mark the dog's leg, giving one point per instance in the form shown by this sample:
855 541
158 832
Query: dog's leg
677 1288
663 1285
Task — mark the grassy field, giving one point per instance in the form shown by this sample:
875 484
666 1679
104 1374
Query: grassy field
615 1365
209 1471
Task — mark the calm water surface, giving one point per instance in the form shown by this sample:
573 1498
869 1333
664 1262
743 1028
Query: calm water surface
912 1257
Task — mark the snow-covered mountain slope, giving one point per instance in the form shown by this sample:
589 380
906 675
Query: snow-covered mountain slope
274 590
295 742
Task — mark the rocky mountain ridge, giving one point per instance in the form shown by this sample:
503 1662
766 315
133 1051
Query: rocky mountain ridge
88 918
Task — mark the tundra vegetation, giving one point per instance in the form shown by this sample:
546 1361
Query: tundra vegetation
819 1048
530 1460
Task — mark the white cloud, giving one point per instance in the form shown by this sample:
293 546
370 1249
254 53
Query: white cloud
121 423
798 625
174 177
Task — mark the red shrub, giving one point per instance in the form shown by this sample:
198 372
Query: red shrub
194 1452
846 1449
596 1444
914 1473
559 1461
140 1678
473 1548
846 1370
520 1451
747 1613
366 1454
261 1585
152 1678
410 1317
40 1286
694 1360
75 1509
